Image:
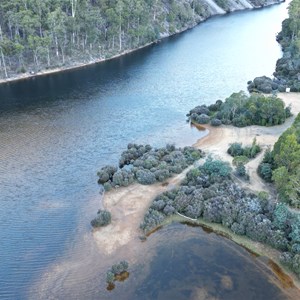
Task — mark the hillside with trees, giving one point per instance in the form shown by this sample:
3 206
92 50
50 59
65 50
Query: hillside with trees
36 35
287 73
282 165
288 67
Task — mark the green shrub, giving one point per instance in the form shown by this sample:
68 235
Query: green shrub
242 159
103 218
215 122
241 171
235 149
265 171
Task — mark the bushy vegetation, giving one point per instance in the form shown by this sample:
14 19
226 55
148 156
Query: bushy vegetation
43 34
116 269
241 110
208 192
236 149
282 165
145 165
103 218
241 172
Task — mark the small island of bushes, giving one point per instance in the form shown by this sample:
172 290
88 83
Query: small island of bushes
241 110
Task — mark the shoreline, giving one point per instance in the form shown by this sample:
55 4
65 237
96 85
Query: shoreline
123 235
45 72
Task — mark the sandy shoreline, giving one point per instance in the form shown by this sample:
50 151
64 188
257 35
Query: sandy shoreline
129 204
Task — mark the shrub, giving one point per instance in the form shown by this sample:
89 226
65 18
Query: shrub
286 258
103 218
281 216
240 159
106 173
241 171
119 268
215 122
216 168
123 178
264 170
110 277
152 219
145 177
161 175
277 239
203 119
235 149
107 186
268 157
238 228
198 110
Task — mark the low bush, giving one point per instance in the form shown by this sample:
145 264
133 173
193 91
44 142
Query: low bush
215 122
103 218
240 160
116 269
236 149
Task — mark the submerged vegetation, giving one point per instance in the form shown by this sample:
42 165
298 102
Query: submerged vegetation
282 165
142 164
241 110
209 192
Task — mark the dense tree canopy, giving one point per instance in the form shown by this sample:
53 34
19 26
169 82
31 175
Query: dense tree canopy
288 67
48 33
40 34
282 165
241 110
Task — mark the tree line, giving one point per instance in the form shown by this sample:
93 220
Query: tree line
288 67
39 34
282 165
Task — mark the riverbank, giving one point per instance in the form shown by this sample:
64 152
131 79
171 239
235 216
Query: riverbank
71 68
129 204
213 10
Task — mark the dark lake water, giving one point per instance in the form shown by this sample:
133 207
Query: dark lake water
57 131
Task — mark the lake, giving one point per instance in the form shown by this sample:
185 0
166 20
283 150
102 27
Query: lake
56 131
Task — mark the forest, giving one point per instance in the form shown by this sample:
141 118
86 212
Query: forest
282 165
288 67
36 35
50 33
